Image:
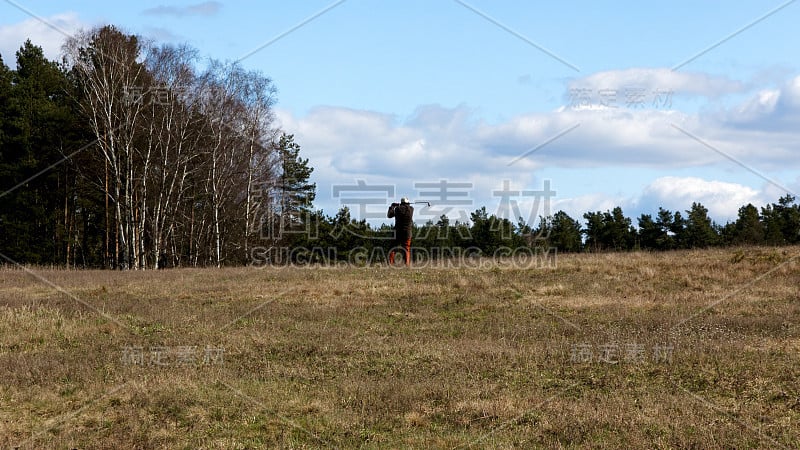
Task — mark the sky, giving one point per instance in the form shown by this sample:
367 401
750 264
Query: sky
525 108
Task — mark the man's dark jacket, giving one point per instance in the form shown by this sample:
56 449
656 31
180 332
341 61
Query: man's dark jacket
403 214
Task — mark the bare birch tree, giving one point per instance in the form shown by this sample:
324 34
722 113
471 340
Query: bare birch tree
106 65
174 136
181 151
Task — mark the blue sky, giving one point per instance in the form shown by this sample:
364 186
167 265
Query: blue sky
636 104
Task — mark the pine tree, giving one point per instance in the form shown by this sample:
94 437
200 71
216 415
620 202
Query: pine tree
790 213
651 234
666 223
748 229
296 193
621 234
700 232
595 231
564 232
38 222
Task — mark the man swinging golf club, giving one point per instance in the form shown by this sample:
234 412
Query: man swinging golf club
403 214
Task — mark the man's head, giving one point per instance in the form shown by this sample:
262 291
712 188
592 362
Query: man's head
404 201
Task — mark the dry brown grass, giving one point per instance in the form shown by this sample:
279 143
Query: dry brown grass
379 357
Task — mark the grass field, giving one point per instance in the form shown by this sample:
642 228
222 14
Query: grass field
696 349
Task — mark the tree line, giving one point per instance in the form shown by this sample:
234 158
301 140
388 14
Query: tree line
775 224
126 155
324 239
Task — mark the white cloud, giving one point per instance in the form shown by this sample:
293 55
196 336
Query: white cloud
434 142
600 138
722 199
763 103
46 32
575 207
768 109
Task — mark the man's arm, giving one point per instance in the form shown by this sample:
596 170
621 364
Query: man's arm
390 214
